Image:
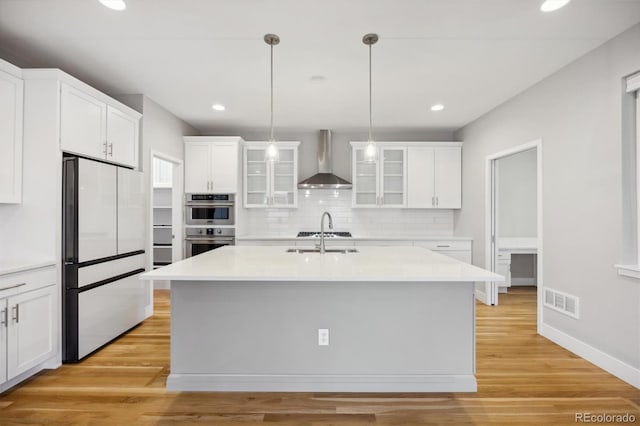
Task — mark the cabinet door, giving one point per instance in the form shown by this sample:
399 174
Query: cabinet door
393 172
82 124
31 333
365 181
11 101
197 167
448 178
122 138
257 180
131 203
97 210
284 179
224 168
420 178
4 324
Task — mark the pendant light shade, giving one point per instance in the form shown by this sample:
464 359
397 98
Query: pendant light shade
371 150
271 153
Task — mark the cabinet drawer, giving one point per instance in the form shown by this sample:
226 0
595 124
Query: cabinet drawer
21 282
444 245
102 271
504 255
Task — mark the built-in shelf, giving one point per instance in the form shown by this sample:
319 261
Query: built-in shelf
162 228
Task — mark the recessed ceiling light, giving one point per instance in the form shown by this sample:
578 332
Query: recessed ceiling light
114 4
551 5
318 78
437 107
218 107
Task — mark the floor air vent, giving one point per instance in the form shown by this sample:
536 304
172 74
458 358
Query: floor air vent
561 302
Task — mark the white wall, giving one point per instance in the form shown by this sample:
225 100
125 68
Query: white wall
516 186
360 222
577 112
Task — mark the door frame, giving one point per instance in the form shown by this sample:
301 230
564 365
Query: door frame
177 212
490 212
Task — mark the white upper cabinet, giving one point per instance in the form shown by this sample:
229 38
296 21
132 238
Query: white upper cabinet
271 184
11 102
448 178
435 176
83 123
383 183
197 171
211 164
122 138
92 128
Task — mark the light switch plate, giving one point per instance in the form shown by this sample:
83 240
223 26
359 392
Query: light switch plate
323 337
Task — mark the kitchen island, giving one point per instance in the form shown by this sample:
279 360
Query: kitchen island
382 319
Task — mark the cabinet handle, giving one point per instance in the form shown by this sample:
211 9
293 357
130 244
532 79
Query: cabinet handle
436 201
433 201
382 200
13 286
208 185
443 245
105 148
4 317
16 314
111 149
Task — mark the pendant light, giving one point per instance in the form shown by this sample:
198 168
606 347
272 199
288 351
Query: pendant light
370 151
271 153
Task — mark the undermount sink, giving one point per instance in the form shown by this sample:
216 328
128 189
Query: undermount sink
317 250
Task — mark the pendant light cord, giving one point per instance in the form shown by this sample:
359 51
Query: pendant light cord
272 139
370 100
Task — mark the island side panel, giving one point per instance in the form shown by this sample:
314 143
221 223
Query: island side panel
263 336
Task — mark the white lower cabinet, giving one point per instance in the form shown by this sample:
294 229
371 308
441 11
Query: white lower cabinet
28 335
458 249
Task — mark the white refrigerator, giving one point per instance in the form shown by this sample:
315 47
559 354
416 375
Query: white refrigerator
103 254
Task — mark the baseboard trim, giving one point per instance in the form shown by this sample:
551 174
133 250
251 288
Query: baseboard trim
321 383
49 364
612 365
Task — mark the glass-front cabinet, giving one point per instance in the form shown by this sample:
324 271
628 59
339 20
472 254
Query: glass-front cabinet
382 183
271 184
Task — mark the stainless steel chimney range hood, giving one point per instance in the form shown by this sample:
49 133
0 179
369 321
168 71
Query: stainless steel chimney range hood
324 179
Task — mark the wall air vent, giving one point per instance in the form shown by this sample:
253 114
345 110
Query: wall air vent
562 302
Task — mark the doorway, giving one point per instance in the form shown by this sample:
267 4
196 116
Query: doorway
166 213
513 228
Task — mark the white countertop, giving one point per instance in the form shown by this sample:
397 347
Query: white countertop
517 243
273 263
354 237
10 266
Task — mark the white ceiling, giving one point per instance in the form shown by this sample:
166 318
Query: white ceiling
471 55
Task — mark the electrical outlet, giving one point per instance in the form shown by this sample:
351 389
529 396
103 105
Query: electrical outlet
323 337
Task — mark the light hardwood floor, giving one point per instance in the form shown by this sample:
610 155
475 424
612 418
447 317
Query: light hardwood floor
522 379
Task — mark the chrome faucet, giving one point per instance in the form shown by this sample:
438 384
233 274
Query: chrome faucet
322 229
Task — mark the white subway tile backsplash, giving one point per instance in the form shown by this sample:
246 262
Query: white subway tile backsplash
382 222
